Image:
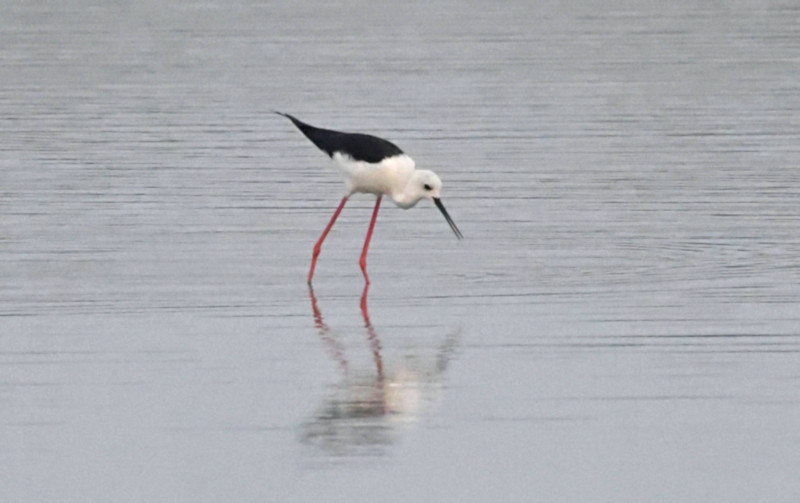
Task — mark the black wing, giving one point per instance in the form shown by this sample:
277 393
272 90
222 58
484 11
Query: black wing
361 147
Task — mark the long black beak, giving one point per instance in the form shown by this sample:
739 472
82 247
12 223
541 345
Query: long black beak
438 203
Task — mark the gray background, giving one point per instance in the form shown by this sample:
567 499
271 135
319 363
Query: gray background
621 322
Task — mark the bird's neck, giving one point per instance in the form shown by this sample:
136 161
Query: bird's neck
407 198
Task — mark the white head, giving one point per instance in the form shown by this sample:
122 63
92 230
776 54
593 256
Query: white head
424 184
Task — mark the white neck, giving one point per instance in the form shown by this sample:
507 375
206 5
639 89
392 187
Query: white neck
411 193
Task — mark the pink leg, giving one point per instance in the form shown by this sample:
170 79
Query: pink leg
363 261
318 246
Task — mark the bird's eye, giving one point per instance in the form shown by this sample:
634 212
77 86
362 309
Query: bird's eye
427 187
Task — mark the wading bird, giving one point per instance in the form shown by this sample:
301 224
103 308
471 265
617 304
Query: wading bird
375 166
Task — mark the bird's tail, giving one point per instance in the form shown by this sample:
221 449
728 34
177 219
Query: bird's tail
318 136
297 122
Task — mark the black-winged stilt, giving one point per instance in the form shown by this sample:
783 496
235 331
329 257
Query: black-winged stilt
375 166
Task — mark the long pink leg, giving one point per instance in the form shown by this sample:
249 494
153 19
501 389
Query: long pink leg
318 246
363 260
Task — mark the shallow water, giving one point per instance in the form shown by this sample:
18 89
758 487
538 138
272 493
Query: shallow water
621 322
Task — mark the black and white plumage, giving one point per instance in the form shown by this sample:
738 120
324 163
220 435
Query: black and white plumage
375 166
358 146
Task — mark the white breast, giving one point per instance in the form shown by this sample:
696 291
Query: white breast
389 176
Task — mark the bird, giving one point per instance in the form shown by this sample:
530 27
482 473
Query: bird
372 165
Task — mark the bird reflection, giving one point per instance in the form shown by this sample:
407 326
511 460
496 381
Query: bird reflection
364 412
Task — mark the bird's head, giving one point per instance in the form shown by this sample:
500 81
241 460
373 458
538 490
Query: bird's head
425 184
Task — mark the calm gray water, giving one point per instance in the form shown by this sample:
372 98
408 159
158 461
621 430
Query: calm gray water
621 323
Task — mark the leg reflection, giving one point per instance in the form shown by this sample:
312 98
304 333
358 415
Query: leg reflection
363 413
335 348
374 342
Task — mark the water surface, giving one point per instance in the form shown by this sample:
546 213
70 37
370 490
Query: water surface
621 322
